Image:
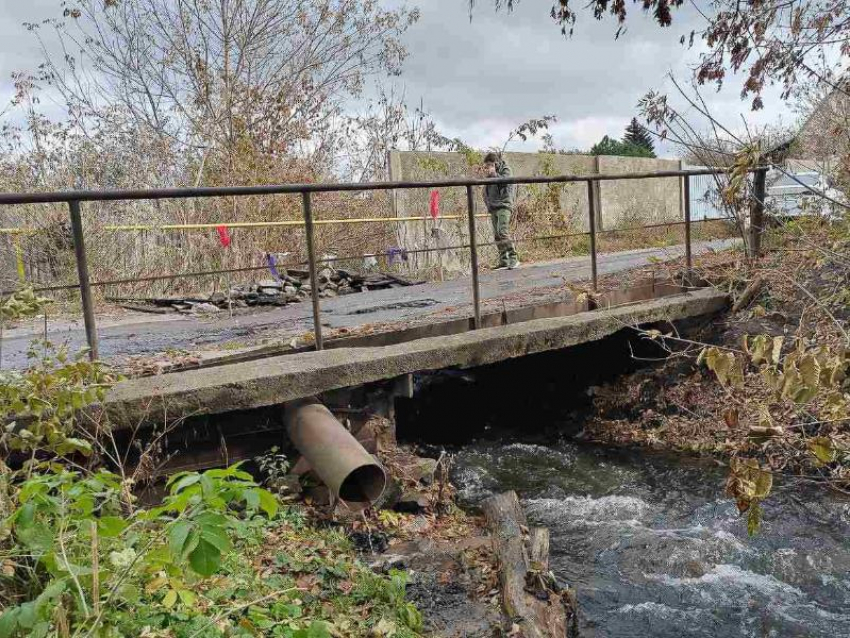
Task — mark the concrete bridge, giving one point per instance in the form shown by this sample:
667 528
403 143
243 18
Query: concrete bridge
194 404
275 380
266 379
212 336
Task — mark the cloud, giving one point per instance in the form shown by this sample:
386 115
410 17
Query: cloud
586 131
481 78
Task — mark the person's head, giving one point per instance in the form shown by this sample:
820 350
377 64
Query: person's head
490 164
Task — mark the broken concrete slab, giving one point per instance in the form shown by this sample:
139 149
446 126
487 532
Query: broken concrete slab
423 470
275 380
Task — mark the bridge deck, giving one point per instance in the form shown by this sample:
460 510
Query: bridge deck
277 379
433 302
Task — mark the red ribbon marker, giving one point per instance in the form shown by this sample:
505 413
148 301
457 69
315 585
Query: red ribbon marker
435 204
223 236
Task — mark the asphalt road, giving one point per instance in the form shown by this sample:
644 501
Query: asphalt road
148 336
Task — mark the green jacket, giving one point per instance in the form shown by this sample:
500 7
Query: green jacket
498 196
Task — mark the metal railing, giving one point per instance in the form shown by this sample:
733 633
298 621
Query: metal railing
74 199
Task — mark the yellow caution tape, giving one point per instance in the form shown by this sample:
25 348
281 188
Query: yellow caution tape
289 222
19 259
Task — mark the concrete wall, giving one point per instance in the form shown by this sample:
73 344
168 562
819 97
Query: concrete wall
561 208
639 202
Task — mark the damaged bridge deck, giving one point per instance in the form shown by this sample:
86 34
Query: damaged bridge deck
277 379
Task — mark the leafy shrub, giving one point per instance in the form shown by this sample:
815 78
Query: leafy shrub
74 542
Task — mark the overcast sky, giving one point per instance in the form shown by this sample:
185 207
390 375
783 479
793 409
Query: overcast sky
19 49
479 79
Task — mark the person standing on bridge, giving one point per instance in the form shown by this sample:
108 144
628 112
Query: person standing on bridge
499 199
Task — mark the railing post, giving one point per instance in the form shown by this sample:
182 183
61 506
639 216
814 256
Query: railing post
686 190
591 206
473 256
83 277
757 212
311 261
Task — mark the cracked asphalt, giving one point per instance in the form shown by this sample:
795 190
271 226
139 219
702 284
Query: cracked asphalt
152 334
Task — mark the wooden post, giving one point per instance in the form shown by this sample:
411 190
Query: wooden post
757 212
522 560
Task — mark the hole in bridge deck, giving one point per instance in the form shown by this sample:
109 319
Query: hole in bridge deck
400 305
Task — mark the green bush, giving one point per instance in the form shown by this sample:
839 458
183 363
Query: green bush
76 551
79 557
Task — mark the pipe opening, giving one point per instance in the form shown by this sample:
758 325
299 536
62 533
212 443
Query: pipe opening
364 485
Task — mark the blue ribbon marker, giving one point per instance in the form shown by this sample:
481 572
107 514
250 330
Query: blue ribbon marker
273 266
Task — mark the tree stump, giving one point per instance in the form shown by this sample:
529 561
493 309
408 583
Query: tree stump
750 292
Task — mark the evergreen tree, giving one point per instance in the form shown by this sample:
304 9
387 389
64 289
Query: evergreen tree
637 135
608 146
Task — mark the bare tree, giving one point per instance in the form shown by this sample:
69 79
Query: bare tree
385 124
222 78
824 138
189 92
772 41
704 140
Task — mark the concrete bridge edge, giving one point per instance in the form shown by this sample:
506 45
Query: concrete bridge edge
279 379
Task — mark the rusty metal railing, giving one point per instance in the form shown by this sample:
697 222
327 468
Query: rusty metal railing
74 199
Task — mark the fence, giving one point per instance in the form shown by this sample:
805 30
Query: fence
706 196
617 204
74 200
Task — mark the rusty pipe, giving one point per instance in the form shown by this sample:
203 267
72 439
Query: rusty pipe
349 471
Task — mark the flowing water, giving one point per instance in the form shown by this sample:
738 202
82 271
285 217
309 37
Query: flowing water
655 549
652 544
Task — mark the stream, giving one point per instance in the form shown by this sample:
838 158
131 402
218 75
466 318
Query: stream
655 549
650 541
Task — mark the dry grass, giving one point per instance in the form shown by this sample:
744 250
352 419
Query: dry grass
681 405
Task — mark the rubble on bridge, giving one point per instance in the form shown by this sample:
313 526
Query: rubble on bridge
291 286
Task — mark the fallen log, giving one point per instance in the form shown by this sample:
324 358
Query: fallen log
534 604
538 549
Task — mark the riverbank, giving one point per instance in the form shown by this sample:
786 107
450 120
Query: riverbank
459 572
767 382
444 552
467 574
